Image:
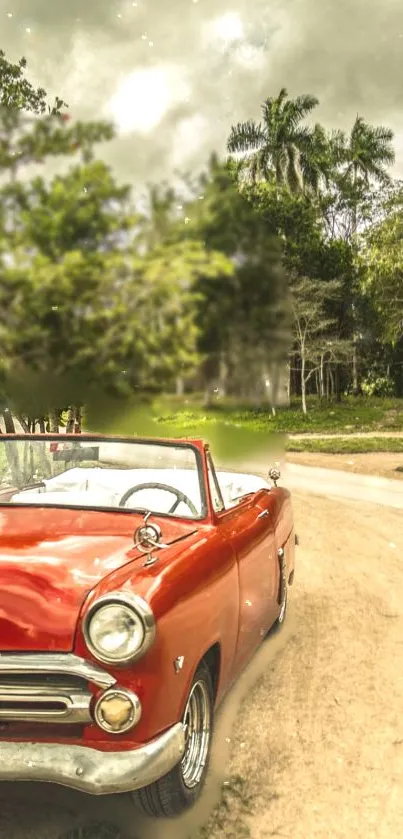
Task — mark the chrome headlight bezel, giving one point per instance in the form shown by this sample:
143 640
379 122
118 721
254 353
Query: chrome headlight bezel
142 611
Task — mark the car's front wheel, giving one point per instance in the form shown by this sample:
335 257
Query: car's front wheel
182 786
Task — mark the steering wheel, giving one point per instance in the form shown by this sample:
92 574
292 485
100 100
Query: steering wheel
180 496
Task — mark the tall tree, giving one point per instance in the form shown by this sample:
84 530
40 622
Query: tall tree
361 158
382 258
243 318
365 153
279 145
315 333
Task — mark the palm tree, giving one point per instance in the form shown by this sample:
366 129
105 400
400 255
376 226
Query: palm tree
366 153
317 160
277 147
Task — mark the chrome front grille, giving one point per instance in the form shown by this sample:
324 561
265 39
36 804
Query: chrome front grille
48 688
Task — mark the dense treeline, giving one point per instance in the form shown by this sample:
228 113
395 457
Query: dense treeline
276 270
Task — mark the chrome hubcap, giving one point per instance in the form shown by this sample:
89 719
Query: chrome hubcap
197 724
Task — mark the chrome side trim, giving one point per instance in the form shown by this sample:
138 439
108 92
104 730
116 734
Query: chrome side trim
65 664
90 770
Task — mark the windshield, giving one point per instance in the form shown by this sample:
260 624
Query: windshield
162 478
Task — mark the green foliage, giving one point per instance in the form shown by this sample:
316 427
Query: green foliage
364 154
382 259
84 305
350 415
17 93
373 385
244 318
84 209
201 284
279 148
103 319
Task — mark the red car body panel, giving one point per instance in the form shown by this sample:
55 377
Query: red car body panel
216 585
50 559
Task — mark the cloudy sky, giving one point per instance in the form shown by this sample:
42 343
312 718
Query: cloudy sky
175 74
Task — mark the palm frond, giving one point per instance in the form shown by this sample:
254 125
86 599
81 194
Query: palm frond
303 105
246 136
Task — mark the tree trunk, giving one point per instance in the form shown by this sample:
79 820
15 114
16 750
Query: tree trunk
331 381
207 396
70 421
54 421
78 420
321 378
275 383
8 422
303 385
356 387
25 424
223 374
289 384
337 383
179 386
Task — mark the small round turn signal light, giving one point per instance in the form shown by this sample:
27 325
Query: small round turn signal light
117 711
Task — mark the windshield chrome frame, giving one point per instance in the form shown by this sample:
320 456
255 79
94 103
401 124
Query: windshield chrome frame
99 438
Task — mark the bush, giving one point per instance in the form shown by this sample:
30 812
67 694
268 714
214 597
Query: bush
376 385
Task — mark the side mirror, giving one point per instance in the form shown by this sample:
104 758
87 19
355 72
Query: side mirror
274 475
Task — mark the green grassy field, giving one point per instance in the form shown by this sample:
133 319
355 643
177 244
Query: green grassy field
362 414
236 428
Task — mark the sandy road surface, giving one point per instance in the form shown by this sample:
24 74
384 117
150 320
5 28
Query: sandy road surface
316 750
383 464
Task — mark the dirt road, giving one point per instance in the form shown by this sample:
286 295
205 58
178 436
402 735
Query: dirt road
311 739
382 464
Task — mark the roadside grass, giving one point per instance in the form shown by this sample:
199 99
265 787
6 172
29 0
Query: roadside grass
229 819
352 414
345 445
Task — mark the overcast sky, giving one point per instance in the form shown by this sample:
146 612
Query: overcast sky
175 74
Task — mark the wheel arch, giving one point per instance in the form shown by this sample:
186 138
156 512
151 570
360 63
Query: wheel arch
212 658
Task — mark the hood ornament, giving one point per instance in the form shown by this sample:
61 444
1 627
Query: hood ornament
274 475
147 538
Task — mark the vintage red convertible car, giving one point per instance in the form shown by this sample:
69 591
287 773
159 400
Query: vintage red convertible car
136 583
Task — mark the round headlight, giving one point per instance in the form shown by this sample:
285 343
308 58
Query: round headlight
119 628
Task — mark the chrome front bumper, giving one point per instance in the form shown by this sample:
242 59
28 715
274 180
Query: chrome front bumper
90 770
48 688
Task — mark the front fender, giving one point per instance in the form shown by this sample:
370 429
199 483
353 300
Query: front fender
194 597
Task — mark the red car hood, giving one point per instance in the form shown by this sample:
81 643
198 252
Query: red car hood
50 559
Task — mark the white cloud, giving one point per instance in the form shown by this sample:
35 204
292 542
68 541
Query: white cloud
250 57
227 28
190 136
145 96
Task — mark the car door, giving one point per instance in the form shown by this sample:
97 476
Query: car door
249 528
